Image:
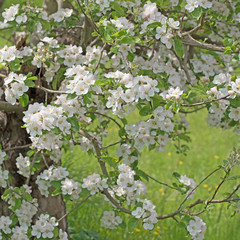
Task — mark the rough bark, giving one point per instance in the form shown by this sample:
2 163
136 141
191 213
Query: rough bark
12 135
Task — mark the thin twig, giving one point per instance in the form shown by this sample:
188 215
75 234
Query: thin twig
90 20
195 28
185 199
165 184
101 114
100 57
45 160
238 186
80 203
51 91
195 110
113 144
204 102
17 147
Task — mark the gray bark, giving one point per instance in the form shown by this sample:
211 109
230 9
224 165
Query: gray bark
12 135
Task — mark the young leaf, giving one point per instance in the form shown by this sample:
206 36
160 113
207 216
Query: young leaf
178 47
24 99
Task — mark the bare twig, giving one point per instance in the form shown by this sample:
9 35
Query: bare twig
236 189
204 102
51 91
110 145
195 110
195 28
106 116
100 57
80 203
185 199
189 40
165 184
17 147
90 19
45 160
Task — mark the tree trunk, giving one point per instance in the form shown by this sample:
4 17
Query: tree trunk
12 135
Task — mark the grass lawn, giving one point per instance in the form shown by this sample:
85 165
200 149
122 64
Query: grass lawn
209 147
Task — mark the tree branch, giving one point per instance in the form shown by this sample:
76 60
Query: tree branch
189 40
204 102
8 107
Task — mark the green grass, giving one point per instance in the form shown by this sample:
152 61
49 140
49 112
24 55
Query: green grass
209 147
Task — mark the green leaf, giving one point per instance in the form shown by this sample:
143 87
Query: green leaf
154 24
31 26
24 99
110 161
235 102
56 192
176 175
122 132
71 96
32 78
129 40
131 56
18 203
15 65
120 11
182 225
6 194
27 197
87 99
146 110
107 37
197 13
74 123
29 83
178 47
142 174
14 219
114 49
56 184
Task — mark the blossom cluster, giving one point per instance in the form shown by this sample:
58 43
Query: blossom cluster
196 228
94 183
145 133
13 13
44 226
147 212
26 212
190 183
151 14
15 87
5 223
23 165
68 186
81 82
193 4
109 220
126 186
